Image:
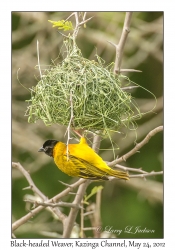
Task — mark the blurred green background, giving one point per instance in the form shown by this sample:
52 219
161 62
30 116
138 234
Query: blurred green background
136 203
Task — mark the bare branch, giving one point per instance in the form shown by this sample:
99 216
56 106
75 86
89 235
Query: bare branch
89 228
82 222
65 184
138 170
85 21
70 16
69 125
39 61
152 173
97 214
121 44
96 142
35 211
74 211
130 70
26 217
13 236
33 187
62 34
84 16
29 179
88 213
137 147
145 175
49 204
78 24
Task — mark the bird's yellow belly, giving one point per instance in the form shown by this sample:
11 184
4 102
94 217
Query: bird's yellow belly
66 166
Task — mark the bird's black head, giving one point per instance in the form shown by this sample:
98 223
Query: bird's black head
47 147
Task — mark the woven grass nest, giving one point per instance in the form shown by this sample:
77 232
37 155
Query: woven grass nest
87 89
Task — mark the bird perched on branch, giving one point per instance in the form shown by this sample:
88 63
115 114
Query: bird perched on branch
80 160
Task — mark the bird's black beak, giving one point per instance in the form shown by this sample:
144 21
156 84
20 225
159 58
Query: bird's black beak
41 150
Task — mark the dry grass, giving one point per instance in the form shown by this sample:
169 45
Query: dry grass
98 101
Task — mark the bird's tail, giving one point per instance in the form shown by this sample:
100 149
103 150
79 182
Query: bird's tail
119 174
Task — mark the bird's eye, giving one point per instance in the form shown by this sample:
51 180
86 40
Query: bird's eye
46 148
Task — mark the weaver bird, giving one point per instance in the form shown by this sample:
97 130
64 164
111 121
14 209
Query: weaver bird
81 161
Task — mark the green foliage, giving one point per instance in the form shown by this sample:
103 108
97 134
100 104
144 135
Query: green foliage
93 192
65 25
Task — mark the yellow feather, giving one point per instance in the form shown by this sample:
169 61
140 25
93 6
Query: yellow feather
83 162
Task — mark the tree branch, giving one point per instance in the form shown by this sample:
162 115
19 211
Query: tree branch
138 170
49 204
32 186
78 24
145 175
121 44
137 147
32 213
96 143
74 211
69 125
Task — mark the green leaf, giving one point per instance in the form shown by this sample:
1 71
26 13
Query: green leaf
93 191
66 25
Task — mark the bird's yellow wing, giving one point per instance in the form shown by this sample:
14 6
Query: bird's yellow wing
85 153
87 170
85 163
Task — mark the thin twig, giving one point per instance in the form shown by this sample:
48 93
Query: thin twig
137 147
13 236
65 184
81 221
84 16
92 210
130 70
97 214
35 211
152 173
89 228
88 213
145 175
49 204
62 34
74 211
121 44
138 170
96 142
39 61
78 24
70 16
85 21
32 186
69 125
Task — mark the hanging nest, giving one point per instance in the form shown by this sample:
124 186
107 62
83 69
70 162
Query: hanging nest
87 89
